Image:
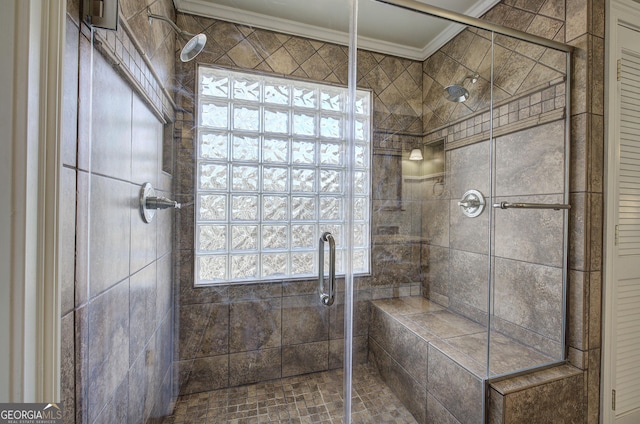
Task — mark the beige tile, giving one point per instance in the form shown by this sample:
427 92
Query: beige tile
577 19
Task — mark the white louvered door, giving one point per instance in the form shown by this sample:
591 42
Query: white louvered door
626 355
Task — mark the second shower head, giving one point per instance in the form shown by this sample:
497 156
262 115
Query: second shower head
456 92
193 47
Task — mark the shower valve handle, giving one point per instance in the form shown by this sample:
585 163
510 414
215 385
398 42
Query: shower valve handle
472 203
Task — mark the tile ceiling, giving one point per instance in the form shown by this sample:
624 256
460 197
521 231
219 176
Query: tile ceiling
381 27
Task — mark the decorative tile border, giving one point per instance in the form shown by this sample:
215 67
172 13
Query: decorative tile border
126 54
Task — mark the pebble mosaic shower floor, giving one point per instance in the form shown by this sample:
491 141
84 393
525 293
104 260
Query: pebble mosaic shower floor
312 398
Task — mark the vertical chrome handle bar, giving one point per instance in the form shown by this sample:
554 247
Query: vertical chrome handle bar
327 298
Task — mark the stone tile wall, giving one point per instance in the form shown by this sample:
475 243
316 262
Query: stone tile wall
117 300
583 27
247 333
581 24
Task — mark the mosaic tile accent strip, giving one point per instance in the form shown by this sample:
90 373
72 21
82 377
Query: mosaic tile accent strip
125 52
312 398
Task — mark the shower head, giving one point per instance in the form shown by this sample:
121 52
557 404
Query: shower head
193 47
456 92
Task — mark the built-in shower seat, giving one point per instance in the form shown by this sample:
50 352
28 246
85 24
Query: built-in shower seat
435 361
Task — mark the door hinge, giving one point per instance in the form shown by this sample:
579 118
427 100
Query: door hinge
613 400
619 64
617 234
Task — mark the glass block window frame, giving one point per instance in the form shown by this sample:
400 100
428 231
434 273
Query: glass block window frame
271 175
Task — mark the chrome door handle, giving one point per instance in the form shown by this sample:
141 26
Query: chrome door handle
327 299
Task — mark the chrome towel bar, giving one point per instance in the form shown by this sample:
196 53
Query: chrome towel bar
554 206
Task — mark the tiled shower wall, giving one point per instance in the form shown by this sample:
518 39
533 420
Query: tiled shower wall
117 301
527 124
245 333
581 24
397 205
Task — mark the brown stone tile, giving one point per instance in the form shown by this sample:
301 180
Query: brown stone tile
67 367
411 393
579 83
142 310
281 62
305 358
68 240
445 324
108 346
553 9
117 406
595 310
304 320
597 75
529 295
255 366
580 152
545 27
204 374
360 352
596 165
593 387
255 325
577 19
190 328
408 348
209 331
531 236
245 55
558 400
596 225
578 254
316 68
463 399
437 413
467 286
578 314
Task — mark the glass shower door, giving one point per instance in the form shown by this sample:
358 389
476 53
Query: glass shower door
530 208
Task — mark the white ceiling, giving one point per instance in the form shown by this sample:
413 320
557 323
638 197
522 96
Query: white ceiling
381 27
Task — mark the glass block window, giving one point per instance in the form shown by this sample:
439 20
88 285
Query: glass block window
271 177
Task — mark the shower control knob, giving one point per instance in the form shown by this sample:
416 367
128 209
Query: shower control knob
472 203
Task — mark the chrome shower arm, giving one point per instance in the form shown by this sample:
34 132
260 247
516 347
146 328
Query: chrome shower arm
175 27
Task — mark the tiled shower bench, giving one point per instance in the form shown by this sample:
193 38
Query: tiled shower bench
434 359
